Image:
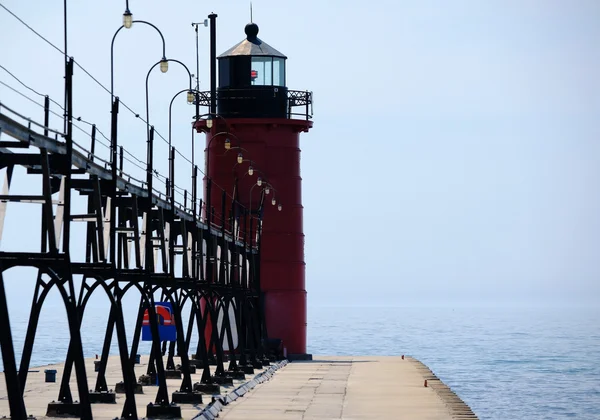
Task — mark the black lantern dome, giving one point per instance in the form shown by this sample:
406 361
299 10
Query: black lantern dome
252 79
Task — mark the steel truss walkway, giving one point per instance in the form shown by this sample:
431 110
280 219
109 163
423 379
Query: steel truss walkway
134 240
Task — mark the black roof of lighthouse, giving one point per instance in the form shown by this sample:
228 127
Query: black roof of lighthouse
252 45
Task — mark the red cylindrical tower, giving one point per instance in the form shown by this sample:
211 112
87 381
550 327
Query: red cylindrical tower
256 113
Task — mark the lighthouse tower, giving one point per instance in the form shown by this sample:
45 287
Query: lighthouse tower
265 119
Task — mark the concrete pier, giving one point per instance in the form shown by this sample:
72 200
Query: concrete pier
328 387
39 393
351 388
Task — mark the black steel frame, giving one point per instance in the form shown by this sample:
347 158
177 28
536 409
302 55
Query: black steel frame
130 230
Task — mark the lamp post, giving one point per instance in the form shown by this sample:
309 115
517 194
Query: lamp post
164 66
274 200
114 101
127 23
267 190
190 99
127 16
207 169
150 143
250 210
250 170
209 119
150 153
266 186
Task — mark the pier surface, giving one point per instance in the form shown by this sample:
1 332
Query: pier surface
329 387
351 388
39 393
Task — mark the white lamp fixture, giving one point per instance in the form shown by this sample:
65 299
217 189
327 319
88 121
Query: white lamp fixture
127 19
164 65
250 171
240 158
190 97
279 207
227 144
273 201
259 181
267 190
209 122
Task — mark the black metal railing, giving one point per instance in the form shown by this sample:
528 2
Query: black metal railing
298 104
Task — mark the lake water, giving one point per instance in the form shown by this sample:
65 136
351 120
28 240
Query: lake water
505 364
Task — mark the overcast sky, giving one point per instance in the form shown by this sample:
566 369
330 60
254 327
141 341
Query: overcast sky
456 148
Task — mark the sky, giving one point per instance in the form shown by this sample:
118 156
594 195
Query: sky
455 154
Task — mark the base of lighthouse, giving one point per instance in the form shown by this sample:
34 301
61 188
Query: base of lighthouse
285 312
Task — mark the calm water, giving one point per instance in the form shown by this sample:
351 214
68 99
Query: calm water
506 364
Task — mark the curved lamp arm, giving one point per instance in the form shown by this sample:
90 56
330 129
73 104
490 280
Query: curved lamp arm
112 44
161 63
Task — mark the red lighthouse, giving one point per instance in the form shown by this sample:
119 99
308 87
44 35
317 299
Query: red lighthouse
261 120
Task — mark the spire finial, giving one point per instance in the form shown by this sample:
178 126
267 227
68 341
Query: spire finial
251 12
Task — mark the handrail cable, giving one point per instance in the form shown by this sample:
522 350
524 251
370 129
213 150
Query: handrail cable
103 87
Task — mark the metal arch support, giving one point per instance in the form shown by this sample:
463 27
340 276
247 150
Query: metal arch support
112 221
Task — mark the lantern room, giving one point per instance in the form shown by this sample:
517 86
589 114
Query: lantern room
252 79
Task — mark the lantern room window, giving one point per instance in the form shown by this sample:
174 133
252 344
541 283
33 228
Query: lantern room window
278 71
261 72
267 71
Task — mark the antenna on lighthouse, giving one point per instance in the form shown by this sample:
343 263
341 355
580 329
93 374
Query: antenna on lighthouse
251 12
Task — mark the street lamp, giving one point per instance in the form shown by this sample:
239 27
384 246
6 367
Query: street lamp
250 170
150 143
275 193
127 22
112 45
227 142
267 186
190 94
207 170
189 90
164 66
257 184
127 16
210 120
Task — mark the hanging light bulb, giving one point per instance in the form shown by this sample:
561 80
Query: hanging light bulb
164 65
273 201
190 97
250 171
267 190
227 144
127 19
240 158
259 181
209 122
279 207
